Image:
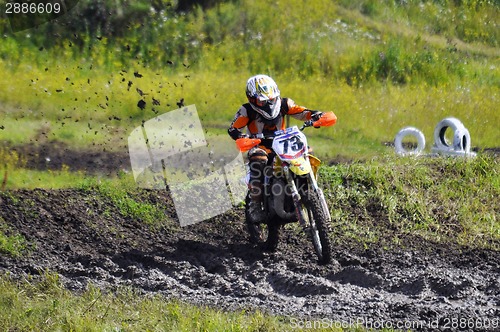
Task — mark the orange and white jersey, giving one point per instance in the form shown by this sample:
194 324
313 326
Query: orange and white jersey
256 124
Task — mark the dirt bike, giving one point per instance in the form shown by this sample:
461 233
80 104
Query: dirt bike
290 188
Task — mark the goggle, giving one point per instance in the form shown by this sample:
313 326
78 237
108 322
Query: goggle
265 102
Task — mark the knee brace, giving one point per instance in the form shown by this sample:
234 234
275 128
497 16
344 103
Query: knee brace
258 161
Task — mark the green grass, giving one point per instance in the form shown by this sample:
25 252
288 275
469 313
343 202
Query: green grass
367 117
379 66
443 200
13 245
15 175
122 195
43 304
22 178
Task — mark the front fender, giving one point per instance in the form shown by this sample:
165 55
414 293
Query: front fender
315 163
300 166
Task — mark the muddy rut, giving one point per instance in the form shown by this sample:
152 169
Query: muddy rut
82 236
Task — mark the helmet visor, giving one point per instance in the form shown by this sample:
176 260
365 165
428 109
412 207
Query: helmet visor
268 108
261 102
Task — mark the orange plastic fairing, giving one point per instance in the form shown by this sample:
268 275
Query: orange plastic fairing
326 120
245 144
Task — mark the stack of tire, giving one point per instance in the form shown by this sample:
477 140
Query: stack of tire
460 146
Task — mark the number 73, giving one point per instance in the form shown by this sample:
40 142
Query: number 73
294 143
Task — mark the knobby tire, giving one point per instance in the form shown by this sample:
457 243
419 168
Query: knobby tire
315 208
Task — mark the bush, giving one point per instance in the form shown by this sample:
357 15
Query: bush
402 63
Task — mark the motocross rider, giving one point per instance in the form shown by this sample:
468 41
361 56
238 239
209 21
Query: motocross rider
263 114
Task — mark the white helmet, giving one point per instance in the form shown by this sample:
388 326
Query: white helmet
264 96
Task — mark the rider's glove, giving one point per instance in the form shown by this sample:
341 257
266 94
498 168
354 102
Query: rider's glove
235 133
315 116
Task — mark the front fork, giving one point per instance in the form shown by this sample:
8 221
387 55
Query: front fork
297 199
316 188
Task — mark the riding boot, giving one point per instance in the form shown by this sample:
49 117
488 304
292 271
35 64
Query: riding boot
255 211
258 159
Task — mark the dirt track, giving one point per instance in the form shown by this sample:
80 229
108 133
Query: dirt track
86 239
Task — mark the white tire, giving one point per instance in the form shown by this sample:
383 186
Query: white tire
440 141
461 140
412 131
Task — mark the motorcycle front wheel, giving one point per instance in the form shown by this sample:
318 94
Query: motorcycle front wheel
318 226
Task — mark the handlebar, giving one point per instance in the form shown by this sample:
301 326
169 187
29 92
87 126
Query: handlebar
246 143
308 123
327 119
